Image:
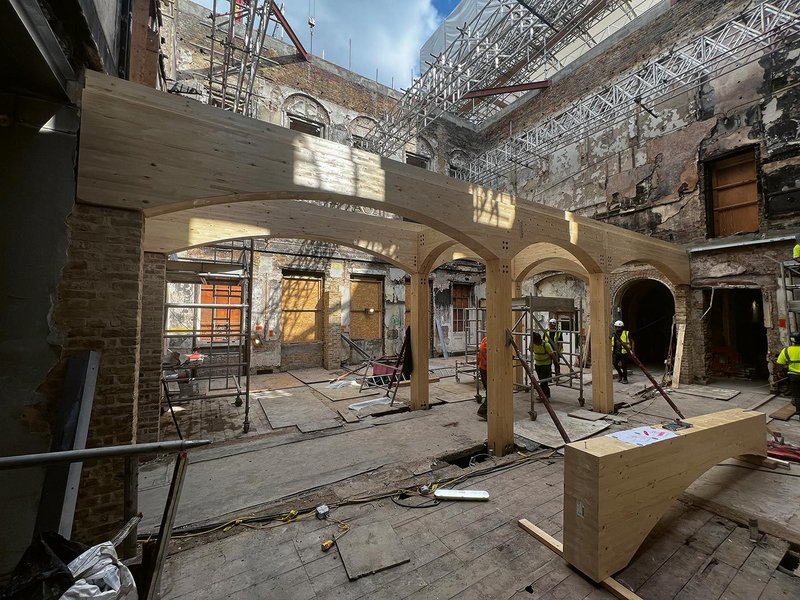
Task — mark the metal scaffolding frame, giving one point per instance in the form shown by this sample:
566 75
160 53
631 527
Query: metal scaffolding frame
237 37
726 47
508 43
219 363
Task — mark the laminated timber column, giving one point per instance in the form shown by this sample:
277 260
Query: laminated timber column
419 302
600 322
499 285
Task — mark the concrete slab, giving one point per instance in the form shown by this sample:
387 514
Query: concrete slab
370 548
586 415
315 375
319 425
544 432
348 391
452 391
273 381
705 391
286 408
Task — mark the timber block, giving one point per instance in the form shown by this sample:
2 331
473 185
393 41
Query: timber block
615 493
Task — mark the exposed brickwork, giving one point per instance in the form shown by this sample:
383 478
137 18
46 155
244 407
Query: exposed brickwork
98 307
153 284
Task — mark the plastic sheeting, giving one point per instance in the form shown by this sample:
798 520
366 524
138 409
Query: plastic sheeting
448 32
99 575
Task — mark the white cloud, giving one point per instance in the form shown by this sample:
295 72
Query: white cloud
385 34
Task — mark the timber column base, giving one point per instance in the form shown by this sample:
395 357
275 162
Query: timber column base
615 492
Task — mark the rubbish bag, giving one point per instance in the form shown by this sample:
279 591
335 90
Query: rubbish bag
42 572
100 575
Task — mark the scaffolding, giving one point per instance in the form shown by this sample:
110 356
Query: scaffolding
208 339
509 43
733 44
238 31
506 43
526 312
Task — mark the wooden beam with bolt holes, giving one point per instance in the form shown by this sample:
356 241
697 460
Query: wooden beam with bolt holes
609 583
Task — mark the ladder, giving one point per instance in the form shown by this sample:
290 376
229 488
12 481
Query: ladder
790 272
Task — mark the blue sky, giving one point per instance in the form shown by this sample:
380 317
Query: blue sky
385 34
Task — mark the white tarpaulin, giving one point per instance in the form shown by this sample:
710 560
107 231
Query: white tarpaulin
99 575
447 31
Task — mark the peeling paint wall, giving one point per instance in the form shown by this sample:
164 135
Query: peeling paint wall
648 171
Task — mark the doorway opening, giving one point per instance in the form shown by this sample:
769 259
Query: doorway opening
648 308
737 336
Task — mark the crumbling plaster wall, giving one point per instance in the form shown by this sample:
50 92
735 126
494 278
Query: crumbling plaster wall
648 172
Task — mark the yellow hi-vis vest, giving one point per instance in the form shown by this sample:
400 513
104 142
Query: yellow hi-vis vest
541 353
625 337
790 356
796 251
552 337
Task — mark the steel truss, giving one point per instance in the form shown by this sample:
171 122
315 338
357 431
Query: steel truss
731 45
507 43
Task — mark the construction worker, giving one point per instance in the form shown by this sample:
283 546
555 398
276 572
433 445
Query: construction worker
789 358
618 350
543 356
796 249
553 337
482 362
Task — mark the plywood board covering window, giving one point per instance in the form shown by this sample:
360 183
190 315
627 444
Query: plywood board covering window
734 195
301 308
460 304
221 322
366 309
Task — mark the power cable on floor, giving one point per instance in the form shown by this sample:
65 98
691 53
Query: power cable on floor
283 518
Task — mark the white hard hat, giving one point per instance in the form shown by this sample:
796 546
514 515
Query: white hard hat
553 322
619 324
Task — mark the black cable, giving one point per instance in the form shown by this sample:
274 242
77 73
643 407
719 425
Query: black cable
393 495
429 504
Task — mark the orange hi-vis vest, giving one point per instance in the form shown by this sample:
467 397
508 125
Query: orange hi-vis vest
482 350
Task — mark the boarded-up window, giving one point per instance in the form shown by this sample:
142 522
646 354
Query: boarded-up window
220 323
417 160
734 195
366 309
460 305
305 126
301 308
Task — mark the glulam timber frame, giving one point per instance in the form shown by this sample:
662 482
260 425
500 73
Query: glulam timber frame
200 174
616 492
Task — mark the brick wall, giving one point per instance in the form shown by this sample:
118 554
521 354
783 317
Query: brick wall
153 284
98 307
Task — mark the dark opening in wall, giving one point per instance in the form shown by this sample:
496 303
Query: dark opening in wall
647 310
738 337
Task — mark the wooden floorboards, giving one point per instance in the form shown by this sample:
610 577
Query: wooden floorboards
477 551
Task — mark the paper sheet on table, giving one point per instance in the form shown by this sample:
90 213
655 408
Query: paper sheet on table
643 436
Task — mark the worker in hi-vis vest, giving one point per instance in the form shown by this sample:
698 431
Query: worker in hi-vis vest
619 353
543 356
482 362
554 337
789 358
796 249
